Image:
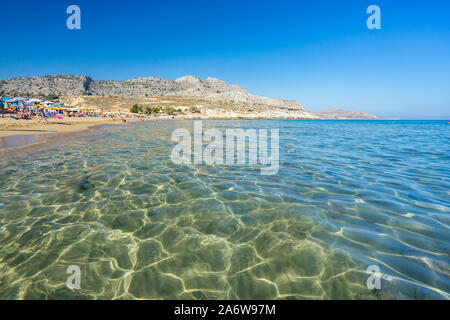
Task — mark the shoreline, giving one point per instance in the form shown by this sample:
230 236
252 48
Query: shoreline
11 127
17 135
30 134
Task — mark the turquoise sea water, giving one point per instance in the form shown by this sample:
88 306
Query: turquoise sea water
348 194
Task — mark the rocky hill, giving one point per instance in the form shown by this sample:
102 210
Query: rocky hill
214 90
58 85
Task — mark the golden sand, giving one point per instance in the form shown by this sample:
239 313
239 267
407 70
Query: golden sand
12 127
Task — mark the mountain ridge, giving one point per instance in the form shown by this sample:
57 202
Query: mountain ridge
212 92
79 85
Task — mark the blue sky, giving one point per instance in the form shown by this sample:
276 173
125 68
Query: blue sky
319 53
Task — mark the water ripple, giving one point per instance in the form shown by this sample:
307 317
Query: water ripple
349 194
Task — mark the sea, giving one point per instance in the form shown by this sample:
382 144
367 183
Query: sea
356 209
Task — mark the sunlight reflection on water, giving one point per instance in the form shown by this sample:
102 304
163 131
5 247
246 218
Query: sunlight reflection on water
348 194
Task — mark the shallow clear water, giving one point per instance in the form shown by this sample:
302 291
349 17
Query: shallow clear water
349 194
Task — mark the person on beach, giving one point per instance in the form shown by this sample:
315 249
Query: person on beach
40 111
2 106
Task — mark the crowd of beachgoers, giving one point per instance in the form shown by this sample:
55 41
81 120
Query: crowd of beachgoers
26 109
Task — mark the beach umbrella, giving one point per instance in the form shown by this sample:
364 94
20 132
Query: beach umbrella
35 100
17 99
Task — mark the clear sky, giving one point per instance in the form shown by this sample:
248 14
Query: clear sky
319 53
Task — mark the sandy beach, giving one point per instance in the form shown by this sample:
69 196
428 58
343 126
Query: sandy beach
12 127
